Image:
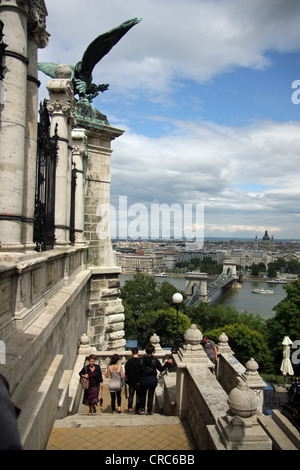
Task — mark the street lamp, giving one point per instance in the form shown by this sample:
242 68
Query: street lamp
177 299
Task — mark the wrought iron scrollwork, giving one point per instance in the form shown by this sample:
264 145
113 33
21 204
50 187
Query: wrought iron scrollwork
44 227
72 214
3 46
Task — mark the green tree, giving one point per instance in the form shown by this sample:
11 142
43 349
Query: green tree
286 322
254 270
293 266
245 343
164 325
272 272
208 317
142 297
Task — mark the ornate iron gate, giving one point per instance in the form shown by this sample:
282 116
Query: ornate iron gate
44 214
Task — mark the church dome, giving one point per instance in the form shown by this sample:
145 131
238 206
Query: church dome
266 236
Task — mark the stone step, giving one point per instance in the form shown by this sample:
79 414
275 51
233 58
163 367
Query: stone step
279 438
119 419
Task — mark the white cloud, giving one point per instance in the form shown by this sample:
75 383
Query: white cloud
210 166
196 39
192 162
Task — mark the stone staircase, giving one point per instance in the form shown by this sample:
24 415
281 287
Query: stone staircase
284 436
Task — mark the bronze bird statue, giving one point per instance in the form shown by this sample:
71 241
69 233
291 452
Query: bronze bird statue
82 72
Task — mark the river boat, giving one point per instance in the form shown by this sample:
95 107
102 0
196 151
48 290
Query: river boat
160 275
263 291
277 281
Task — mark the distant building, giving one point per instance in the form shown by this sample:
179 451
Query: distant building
266 243
140 261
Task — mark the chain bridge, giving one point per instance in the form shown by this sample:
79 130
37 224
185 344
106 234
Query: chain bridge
198 290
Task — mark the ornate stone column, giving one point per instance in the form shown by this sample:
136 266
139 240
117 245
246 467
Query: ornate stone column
16 190
61 108
79 153
37 38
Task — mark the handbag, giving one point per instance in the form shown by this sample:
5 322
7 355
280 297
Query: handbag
84 382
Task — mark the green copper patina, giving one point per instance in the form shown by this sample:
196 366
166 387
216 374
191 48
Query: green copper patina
82 72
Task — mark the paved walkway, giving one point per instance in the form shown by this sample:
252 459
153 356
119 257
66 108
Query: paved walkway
107 431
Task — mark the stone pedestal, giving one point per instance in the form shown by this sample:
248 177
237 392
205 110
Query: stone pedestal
106 319
190 354
239 428
106 314
255 382
97 193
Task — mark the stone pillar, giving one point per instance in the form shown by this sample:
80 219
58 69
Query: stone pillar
61 108
14 161
223 346
106 316
240 429
190 354
37 38
106 319
79 152
97 195
255 382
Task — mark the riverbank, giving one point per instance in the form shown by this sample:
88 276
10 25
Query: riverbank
242 299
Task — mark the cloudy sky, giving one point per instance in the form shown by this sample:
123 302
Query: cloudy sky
207 93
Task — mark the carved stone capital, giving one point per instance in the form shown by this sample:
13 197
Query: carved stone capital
63 107
37 12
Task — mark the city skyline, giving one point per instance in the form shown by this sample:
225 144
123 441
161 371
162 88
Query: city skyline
207 93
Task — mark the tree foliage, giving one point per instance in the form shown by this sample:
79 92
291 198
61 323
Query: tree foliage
246 343
286 321
149 309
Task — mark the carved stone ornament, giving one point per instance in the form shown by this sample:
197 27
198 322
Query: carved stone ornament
37 12
193 336
242 401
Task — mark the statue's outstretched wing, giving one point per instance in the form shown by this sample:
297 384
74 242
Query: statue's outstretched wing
103 44
47 68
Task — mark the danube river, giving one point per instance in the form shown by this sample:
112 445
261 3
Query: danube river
241 298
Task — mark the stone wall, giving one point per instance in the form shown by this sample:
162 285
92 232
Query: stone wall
106 312
42 342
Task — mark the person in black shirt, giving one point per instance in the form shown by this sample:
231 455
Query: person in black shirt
149 366
132 376
9 434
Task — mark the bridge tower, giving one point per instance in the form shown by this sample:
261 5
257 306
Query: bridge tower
229 265
196 283
196 286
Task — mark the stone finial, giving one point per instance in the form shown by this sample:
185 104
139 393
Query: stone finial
155 340
252 367
239 429
85 347
84 340
192 351
223 346
242 401
193 336
63 71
